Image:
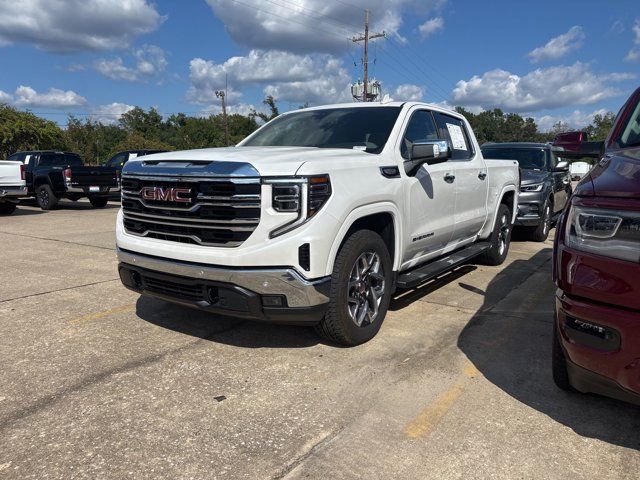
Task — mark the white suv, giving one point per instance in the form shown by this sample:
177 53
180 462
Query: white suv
317 217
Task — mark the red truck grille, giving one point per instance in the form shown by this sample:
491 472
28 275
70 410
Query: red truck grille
210 212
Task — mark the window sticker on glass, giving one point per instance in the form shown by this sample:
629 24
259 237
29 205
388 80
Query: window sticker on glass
457 137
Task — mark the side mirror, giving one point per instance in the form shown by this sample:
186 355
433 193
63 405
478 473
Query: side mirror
427 152
576 145
562 166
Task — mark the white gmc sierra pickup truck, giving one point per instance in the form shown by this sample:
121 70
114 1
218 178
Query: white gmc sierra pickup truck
12 186
317 217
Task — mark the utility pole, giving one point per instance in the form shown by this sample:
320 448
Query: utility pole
221 94
365 61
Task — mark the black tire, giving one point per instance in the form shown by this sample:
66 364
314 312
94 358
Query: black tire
541 232
352 297
99 202
7 208
500 238
45 197
559 364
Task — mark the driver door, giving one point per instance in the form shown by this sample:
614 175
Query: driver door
430 196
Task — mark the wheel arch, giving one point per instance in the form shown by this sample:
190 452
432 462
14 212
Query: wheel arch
509 197
383 218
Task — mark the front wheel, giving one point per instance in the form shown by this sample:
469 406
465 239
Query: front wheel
500 238
360 290
559 364
7 208
98 202
541 232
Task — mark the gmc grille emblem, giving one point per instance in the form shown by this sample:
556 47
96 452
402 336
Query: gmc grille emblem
169 194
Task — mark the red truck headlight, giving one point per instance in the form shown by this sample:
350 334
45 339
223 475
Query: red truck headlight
602 231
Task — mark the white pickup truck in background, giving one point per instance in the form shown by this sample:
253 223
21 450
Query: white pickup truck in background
317 217
12 186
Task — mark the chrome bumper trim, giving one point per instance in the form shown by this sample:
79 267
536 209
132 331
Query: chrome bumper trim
264 281
13 192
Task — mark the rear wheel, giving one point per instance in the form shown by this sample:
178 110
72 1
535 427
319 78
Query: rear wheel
500 238
541 232
46 198
99 202
7 208
360 290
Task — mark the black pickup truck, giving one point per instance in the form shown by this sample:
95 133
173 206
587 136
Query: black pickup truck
52 175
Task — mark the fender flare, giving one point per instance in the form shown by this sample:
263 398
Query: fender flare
514 208
365 211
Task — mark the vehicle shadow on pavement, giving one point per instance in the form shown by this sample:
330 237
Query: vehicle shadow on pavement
21 211
509 342
225 330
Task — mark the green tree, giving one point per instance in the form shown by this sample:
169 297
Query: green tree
25 131
135 141
600 126
93 141
273 110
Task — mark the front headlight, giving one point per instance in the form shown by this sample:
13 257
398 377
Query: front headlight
535 187
302 195
611 233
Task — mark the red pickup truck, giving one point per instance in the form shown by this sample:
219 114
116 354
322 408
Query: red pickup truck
597 266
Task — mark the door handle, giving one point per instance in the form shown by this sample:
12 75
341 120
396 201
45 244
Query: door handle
449 178
482 175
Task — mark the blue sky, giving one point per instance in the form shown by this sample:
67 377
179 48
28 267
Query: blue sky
553 61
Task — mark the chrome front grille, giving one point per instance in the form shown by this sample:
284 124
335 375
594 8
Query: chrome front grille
221 212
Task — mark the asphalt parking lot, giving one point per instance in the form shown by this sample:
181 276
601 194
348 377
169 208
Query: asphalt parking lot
99 383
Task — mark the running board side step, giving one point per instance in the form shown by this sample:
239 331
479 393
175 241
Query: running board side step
432 269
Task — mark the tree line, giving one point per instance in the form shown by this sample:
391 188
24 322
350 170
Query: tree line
96 142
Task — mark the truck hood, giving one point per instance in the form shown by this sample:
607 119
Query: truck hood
530 177
266 161
616 175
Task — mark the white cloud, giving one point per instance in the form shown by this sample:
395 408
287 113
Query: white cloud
431 26
313 25
634 53
559 46
76 25
150 61
53 98
110 113
408 92
5 97
577 119
243 109
540 89
313 78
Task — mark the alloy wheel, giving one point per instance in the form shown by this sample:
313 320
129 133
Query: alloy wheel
503 234
366 289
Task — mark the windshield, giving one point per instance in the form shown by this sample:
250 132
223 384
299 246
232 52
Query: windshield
359 128
630 135
528 158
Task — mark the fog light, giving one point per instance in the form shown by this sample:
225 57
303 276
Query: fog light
273 301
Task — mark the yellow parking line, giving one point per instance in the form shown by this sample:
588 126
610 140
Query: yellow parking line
427 420
106 313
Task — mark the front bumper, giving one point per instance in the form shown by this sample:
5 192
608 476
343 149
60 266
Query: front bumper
602 346
13 192
530 205
276 294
